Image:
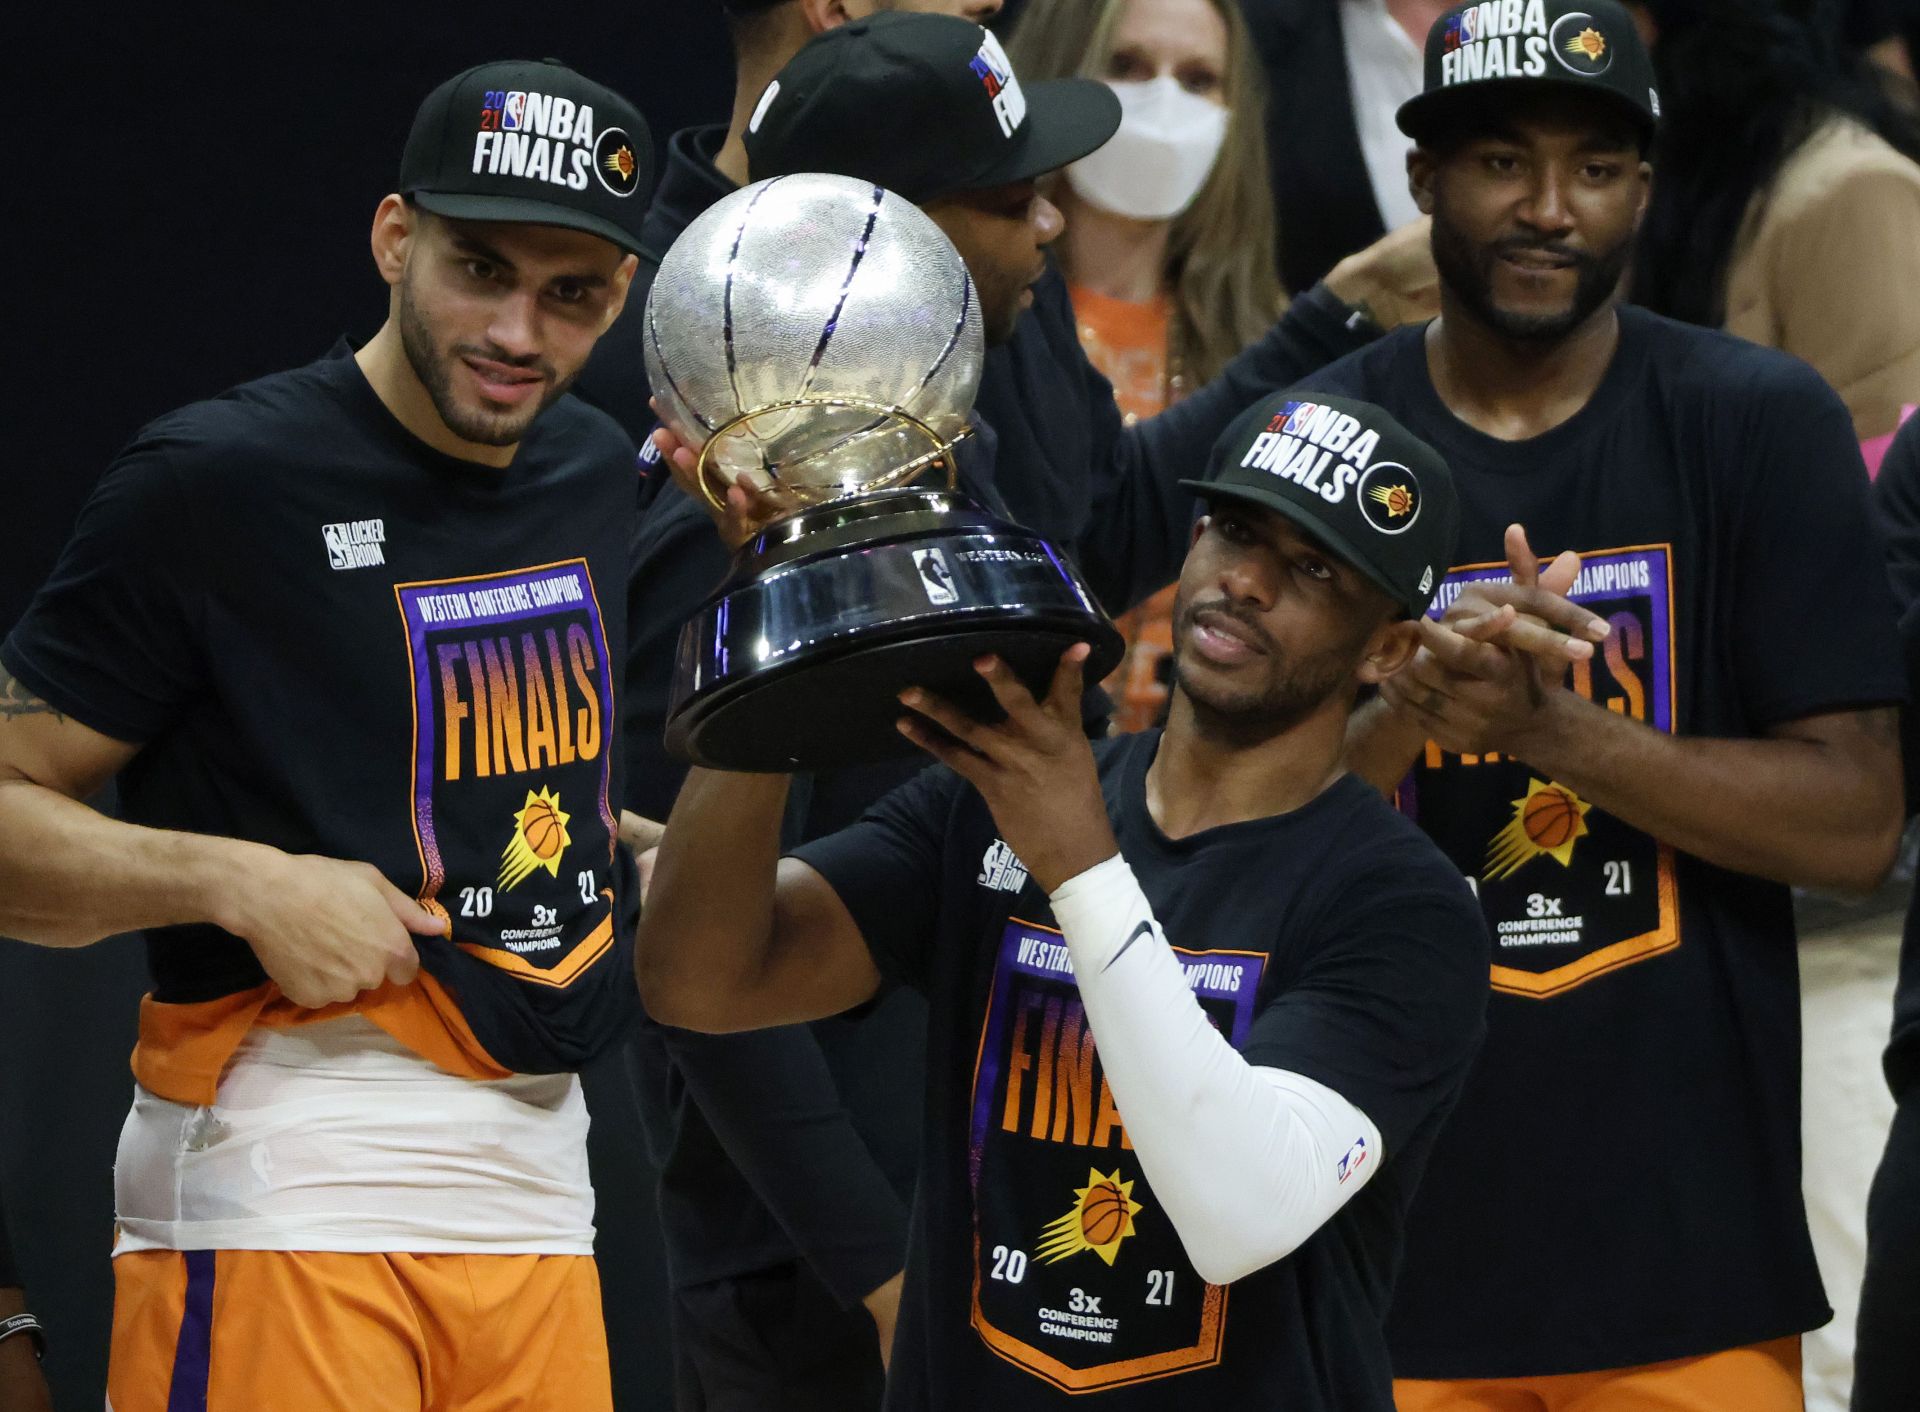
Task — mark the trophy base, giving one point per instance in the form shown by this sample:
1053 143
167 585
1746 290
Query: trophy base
797 662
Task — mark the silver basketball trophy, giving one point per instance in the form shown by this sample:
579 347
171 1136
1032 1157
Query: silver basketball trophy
821 336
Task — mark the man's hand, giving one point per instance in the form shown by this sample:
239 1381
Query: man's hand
749 508
1035 769
1531 613
326 930
1483 677
1394 278
884 1305
640 833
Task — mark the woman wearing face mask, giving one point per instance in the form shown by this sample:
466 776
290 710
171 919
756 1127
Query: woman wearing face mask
1169 232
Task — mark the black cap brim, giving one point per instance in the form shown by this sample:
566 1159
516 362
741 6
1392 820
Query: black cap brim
1430 114
1066 119
1301 515
519 210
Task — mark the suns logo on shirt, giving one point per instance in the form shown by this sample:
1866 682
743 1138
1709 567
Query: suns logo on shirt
539 838
1001 870
1100 1218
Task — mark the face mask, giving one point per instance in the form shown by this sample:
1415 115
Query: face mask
1153 167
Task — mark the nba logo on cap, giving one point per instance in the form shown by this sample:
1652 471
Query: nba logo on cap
515 112
995 72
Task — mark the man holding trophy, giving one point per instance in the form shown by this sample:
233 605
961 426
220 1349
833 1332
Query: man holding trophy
1173 1120
726 1117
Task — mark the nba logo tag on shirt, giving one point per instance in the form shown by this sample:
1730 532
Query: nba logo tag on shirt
355 544
1000 869
995 72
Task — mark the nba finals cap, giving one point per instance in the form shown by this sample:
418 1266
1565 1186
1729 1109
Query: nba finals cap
1488 49
1351 476
923 105
532 142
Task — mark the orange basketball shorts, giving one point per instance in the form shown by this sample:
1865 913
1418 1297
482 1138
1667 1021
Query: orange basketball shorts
1762 1377
315 1331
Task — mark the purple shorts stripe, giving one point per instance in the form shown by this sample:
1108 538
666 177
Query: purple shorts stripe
193 1353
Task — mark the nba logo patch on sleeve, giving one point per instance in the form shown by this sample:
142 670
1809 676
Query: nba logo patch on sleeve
1352 1161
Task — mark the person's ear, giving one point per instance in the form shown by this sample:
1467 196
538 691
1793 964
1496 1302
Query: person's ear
622 286
824 15
1421 167
1389 650
393 231
1199 528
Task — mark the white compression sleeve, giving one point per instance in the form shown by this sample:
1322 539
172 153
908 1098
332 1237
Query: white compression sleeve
1247 1161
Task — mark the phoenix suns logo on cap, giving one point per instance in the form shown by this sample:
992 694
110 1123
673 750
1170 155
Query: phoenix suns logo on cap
1390 498
614 162
1580 45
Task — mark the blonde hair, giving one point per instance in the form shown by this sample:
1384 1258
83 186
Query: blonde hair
1220 250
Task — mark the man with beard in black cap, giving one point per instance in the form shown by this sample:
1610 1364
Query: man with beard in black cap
1613 1218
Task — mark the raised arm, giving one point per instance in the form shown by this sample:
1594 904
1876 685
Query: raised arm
1249 1154
1137 530
733 937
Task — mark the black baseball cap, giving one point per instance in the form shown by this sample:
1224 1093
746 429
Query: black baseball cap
1351 476
531 141
923 105
1479 52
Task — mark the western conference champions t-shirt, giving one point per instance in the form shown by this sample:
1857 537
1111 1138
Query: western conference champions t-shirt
1334 941
331 638
1621 1181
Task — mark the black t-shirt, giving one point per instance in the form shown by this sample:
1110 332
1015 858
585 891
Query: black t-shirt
1896 504
328 637
1333 941
1621 1182
1903 1053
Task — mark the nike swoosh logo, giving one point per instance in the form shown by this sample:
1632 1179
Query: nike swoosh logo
1140 929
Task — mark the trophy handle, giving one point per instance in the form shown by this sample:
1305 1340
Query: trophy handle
899 475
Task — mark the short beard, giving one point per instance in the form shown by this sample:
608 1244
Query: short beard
1294 691
1467 272
435 372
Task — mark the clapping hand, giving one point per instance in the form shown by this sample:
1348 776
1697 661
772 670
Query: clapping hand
1483 673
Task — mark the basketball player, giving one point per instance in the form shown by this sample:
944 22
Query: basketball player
1199 998
1613 1218
348 636
726 1116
